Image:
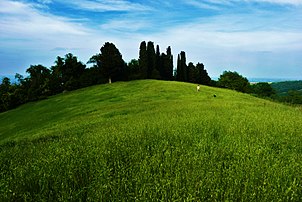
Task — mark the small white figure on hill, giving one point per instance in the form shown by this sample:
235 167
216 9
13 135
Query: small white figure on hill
198 87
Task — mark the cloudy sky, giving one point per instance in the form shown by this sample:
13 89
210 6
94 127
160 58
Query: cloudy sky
257 38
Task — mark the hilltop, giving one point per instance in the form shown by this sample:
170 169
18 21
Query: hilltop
95 104
151 140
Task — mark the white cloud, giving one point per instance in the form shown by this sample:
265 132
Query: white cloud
106 5
24 19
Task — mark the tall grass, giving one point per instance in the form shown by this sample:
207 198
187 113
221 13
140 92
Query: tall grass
151 141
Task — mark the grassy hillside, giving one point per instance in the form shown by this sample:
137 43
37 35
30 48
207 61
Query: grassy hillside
151 141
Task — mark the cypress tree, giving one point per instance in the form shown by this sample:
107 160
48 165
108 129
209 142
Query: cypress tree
150 60
169 67
164 66
143 60
192 73
178 70
159 63
112 62
203 77
182 70
184 65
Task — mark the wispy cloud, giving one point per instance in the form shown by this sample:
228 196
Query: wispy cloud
45 1
26 19
105 5
202 5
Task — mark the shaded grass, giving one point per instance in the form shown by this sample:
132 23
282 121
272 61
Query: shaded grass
151 141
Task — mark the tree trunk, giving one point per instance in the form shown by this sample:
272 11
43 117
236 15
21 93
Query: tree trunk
109 79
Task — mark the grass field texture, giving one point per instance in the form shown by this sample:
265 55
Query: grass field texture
151 141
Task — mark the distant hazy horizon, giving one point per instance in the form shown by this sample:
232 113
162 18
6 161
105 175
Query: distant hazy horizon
13 80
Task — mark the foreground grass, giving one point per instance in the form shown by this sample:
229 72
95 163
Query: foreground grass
151 141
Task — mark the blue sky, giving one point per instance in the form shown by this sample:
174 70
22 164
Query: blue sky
257 38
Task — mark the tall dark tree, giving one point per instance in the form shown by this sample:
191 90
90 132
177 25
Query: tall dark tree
112 62
182 73
166 67
5 94
179 77
192 73
72 71
202 75
39 81
56 77
151 62
143 60
169 67
158 62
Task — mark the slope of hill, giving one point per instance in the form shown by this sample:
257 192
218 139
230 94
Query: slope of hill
151 141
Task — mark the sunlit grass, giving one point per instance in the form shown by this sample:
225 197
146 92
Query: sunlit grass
151 141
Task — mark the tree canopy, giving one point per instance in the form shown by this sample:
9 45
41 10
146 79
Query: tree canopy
234 81
112 62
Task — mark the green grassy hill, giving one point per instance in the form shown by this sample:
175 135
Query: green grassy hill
151 141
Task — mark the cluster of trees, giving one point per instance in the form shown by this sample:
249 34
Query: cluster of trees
235 81
190 72
69 73
288 92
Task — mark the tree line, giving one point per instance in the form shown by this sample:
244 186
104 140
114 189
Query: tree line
108 66
68 73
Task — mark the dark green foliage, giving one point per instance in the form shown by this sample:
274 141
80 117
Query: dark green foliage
282 88
5 89
263 89
95 74
168 65
152 72
292 97
154 65
72 70
234 81
66 73
158 63
190 72
288 91
143 60
202 75
182 70
134 70
112 62
39 77
166 72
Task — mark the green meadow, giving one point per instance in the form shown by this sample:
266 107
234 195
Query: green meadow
151 140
